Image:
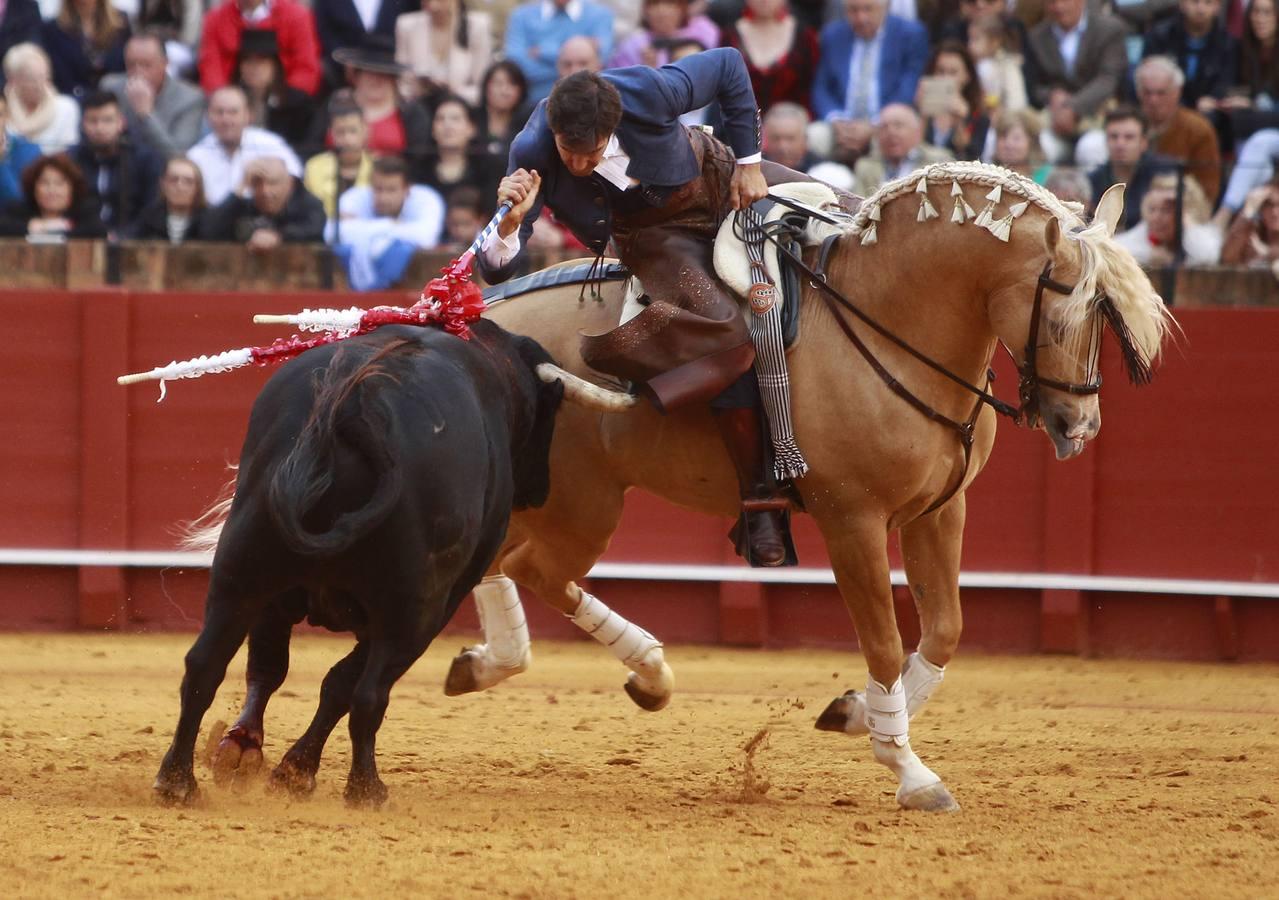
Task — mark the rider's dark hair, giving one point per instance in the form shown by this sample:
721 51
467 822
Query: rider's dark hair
583 109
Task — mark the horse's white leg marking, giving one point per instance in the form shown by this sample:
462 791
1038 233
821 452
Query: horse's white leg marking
505 651
638 650
888 721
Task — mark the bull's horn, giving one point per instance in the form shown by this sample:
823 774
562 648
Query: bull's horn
583 393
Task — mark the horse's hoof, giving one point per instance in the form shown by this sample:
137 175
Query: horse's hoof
933 798
288 777
472 671
365 794
238 756
651 694
175 790
845 714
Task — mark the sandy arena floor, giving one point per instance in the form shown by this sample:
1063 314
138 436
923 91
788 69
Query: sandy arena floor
1078 779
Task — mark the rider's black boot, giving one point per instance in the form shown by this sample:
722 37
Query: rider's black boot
761 531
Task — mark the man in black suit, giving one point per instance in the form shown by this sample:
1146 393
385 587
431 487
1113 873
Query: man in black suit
124 176
342 24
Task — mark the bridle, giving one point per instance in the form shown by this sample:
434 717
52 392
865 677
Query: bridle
1030 382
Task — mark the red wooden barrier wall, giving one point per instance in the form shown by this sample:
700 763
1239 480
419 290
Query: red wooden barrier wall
1182 483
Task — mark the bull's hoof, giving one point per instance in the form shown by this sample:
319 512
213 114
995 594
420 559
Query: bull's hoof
365 793
296 781
651 693
175 789
473 671
846 714
237 758
933 798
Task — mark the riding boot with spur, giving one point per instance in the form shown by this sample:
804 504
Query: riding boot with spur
761 532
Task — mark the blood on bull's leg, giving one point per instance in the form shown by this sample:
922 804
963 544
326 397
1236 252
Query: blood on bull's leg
239 753
505 651
651 680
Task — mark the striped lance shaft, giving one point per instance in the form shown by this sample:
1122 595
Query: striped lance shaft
464 261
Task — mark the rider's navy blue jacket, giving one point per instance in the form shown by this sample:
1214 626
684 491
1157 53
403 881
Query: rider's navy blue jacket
661 157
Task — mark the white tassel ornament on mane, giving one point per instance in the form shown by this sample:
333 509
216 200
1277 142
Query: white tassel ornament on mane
1003 228
870 234
987 214
926 209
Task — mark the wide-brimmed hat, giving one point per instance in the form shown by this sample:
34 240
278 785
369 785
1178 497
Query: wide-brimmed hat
374 53
258 42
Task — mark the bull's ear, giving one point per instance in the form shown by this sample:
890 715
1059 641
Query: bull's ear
1110 208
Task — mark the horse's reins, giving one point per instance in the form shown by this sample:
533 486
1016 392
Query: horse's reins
1028 385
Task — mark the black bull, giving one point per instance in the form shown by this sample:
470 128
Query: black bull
375 487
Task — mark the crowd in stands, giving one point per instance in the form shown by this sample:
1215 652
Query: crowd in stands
383 126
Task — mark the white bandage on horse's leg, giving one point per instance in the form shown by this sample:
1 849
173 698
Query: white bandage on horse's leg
506 643
919 679
886 717
636 648
890 737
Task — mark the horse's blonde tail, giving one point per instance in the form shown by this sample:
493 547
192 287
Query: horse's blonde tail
583 393
201 534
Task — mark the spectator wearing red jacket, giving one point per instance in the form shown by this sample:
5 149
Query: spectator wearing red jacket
294 29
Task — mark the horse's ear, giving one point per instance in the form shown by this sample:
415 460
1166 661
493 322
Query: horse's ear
1052 237
1110 209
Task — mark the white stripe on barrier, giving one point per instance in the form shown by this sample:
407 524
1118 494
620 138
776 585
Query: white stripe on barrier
11 556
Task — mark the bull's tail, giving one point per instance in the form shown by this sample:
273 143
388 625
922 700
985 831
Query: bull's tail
348 410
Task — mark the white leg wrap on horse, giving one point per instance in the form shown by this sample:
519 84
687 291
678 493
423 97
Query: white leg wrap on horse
506 643
636 648
886 717
890 737
919 679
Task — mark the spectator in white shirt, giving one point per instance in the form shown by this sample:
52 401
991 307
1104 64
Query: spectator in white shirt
223 153
381 226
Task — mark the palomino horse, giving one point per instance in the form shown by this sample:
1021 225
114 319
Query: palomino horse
1003 262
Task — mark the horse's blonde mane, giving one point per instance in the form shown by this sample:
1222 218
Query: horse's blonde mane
1103 264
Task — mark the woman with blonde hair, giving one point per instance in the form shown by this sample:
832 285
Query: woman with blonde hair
1153 241
1017 144
85 42
37 111
446 48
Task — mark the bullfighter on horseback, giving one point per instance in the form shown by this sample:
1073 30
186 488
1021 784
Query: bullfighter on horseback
609 155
